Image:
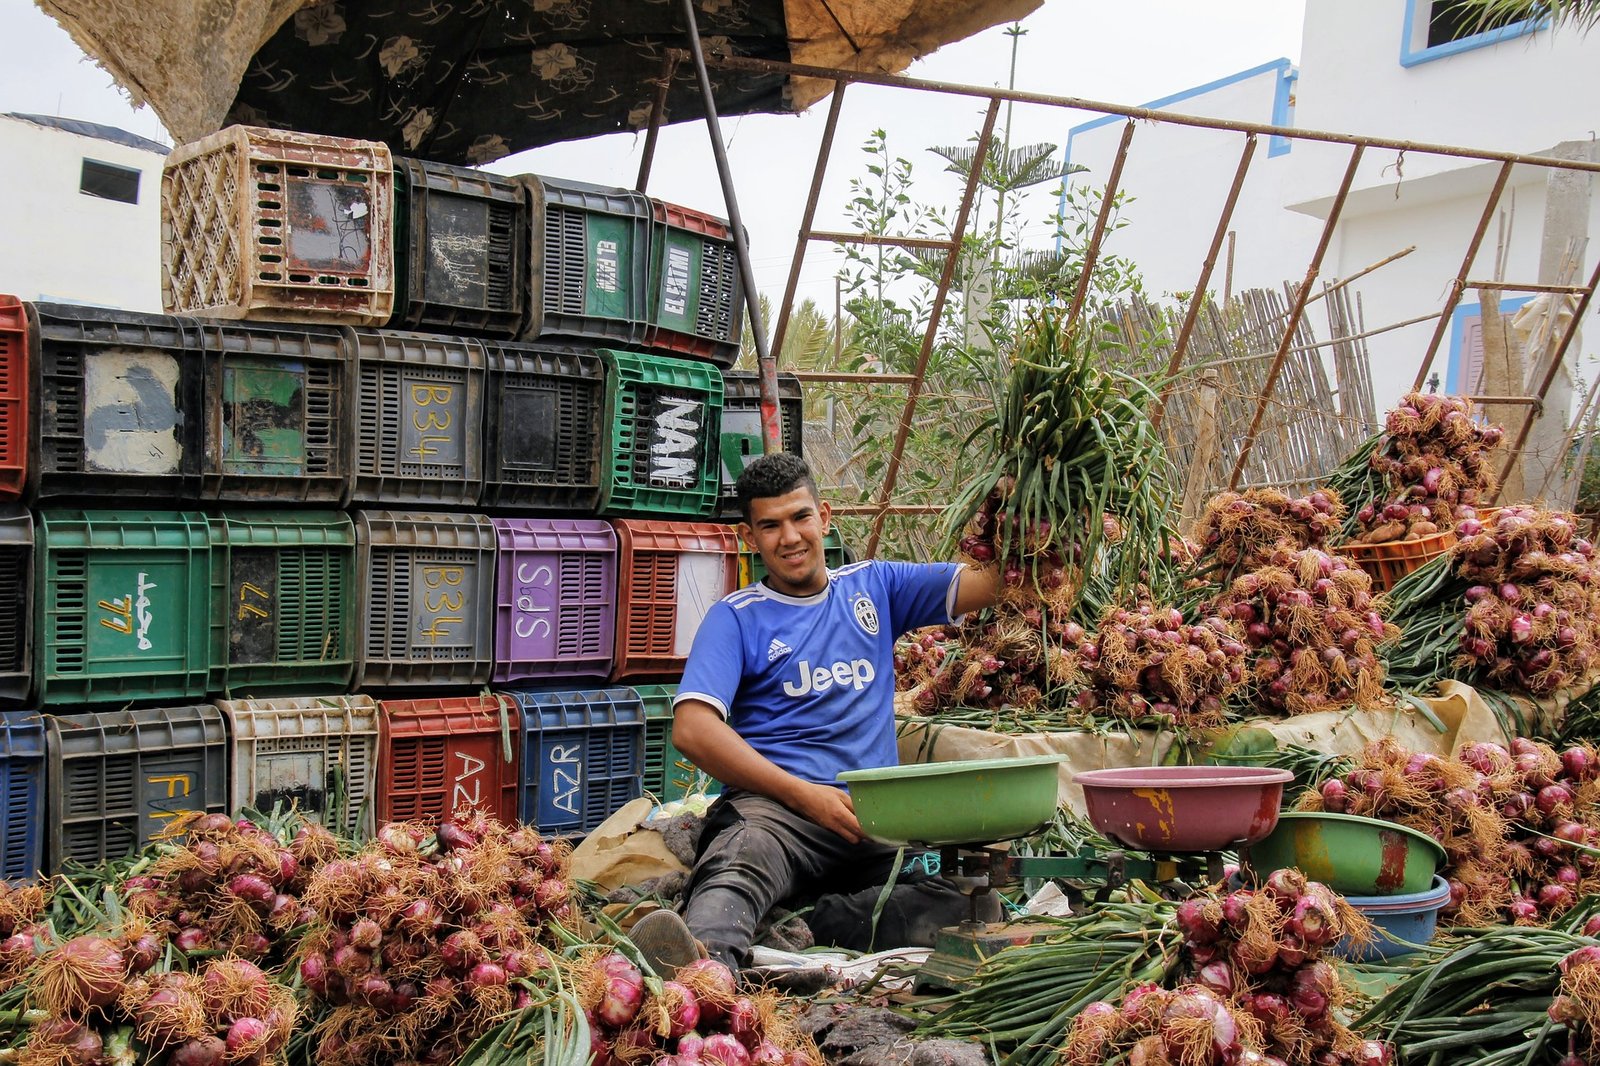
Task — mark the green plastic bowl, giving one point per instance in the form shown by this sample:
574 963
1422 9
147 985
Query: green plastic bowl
1352 855
939 804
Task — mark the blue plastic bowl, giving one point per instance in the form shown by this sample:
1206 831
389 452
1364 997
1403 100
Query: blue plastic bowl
1403 923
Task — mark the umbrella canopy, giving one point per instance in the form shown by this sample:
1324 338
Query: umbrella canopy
468 81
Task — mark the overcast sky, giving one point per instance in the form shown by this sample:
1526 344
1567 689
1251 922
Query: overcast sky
1126 52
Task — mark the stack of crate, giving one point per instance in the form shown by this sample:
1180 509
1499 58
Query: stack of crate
413 501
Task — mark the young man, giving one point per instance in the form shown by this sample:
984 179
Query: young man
790 682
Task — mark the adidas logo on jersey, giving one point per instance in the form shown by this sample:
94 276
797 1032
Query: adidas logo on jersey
777 648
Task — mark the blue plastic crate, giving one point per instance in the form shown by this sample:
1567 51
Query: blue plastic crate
582 756
21 795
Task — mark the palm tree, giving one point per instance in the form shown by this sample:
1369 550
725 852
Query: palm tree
813 341
1584 14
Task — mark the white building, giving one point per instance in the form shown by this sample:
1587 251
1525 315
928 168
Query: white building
1367 67
82 207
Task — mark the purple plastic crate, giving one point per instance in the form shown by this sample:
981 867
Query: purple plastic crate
555 598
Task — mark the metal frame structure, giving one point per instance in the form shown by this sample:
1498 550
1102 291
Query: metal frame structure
1250 132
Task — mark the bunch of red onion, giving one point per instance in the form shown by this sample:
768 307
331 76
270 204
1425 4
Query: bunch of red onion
698 1018
1576 1004
427 936
1549 801
1242 529
1190 1025
1435 460
1314 626
1008 657
1147 661
21 914
223 885
1533 608
1263 950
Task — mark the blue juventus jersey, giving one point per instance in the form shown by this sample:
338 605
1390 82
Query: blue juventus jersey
809 681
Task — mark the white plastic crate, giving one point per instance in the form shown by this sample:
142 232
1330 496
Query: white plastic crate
318 753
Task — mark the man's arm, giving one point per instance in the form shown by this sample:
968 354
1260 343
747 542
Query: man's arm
977 587
701 734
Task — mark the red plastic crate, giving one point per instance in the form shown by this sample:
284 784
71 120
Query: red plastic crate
669 575
444 755
13 397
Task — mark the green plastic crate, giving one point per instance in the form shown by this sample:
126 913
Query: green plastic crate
662 427
283 603
668 775
121 606
752 569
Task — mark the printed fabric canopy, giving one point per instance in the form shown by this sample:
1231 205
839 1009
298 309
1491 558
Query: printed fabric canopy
468 81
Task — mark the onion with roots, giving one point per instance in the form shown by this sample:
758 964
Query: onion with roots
84 973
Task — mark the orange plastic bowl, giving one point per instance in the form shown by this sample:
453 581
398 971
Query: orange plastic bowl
1184 808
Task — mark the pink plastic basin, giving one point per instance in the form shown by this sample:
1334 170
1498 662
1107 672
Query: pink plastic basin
1184 808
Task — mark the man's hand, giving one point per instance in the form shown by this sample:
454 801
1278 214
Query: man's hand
830 808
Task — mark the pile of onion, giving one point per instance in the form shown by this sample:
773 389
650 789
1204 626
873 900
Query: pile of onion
1190 1025
699 1018
222 885
424 938
1148 662
1242 529
1576 1004
21 913
1008 657
1263 951
1435 461
1533 608
1314 626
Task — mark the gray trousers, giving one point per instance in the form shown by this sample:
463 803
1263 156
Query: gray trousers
755 852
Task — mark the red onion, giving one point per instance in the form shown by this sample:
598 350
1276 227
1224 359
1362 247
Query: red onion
206 1051
683 1010
85 972
1552 797
1193 923
1584 956
191 939
1218 977
724 1050
1311 989
243 1034
314 972
488 974
767 1053
1523 909
744 1022
1554 897
624 992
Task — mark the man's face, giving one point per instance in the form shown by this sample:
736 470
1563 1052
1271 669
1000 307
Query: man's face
787 531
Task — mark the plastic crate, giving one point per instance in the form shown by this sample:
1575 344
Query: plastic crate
120 606
752 569
663 418
555 598
13 397
426 586
445 755
461 250
318 754
117 401
116 778
283 603
277 413
583 751
269 224
419 419
668 775
741 428
542 430
1387 563
590 261
696 295
16 605
669 575
21 796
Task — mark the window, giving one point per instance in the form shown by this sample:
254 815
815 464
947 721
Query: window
109 181
1464 370
1438 28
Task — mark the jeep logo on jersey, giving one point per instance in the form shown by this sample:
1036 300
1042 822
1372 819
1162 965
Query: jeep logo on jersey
675 444
866 613
857 673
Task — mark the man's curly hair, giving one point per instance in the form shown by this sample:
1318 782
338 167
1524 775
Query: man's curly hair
777 474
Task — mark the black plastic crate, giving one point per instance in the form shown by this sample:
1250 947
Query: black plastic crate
116 778
117 402
461 250
419 419
277 412
741 428
543 427
590 261
16 606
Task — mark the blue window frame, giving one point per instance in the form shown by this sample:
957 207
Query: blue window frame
1465 348
1414 46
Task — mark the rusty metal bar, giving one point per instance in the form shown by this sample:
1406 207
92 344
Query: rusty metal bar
824 150
878 238
849 377
1556 362
658 112
1301 297
1511 286
1108 199
914 390
1191 315
1458 286
886 509
1172 118
1531 401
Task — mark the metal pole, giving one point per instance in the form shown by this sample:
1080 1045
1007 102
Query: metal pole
1458 286
658 111
1301 297
771 426
1107 201
823 151
1192 314
914 390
